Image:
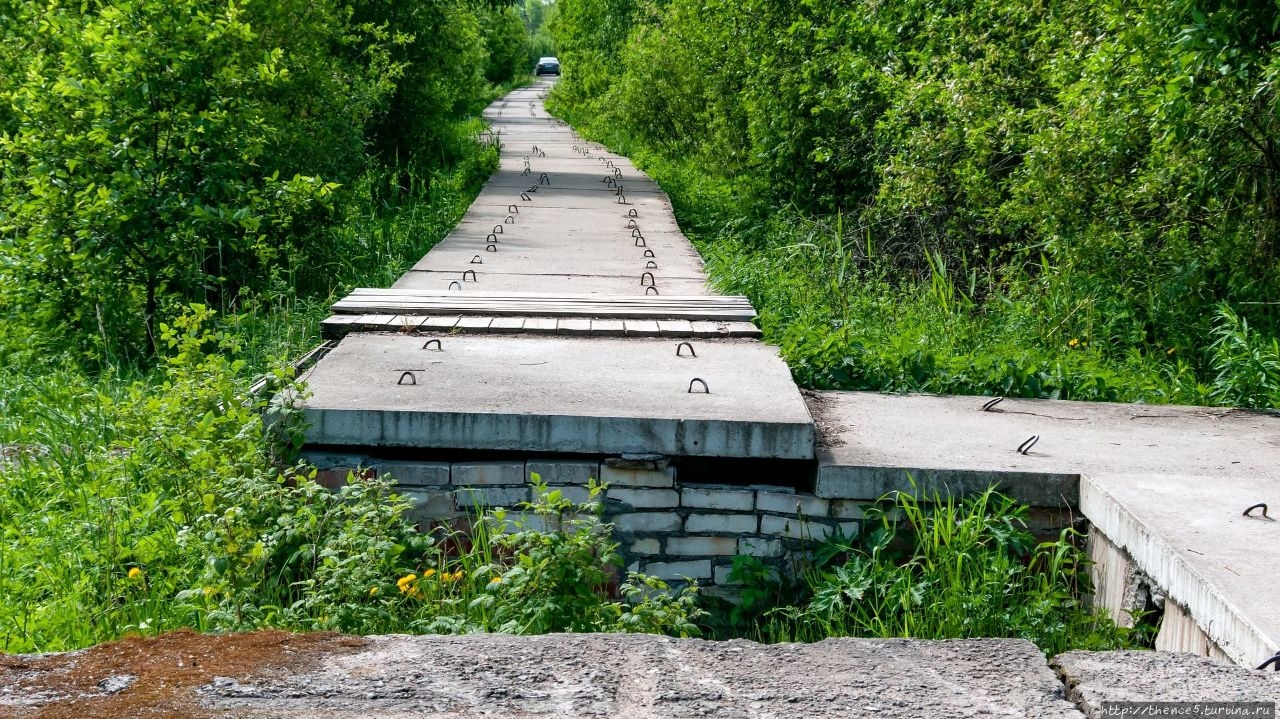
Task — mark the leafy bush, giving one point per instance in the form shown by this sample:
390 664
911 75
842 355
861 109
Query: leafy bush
1043 201
157 153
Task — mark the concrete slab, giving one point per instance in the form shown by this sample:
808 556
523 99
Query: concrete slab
1095 678
1188 533
558 222
867 440
558 394
1167 485
644 677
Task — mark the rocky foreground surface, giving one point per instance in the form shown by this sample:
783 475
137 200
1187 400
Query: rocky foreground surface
275 674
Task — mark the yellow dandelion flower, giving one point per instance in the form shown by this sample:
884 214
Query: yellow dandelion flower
455 576
496 580
428 574
373 591
1073 342
405 583
134 573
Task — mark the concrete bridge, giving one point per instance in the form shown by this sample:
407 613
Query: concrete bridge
566 327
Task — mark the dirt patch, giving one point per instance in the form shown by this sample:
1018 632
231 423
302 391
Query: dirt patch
830 433
153 677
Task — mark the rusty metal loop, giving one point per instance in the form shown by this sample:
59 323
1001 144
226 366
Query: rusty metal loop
1248 513
633 212
631 225
683 345
509 221
544 179
469 272
651 290
476 260
644 275
1273 661
640 241
492 237
622 199
635 232
412 378
513 209
699 380
497 229
524 196
649 253
427 345
455 283
651 265
1028 444
990 405
490 248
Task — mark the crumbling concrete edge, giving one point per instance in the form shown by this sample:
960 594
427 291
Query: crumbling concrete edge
1223 622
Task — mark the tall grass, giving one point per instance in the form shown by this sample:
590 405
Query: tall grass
945 568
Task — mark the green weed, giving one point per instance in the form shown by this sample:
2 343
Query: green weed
936 568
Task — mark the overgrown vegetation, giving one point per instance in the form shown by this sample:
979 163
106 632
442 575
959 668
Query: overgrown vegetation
932 568
148 506
1064 199
160 161
157 153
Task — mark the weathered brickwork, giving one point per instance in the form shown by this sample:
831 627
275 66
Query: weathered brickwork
667 528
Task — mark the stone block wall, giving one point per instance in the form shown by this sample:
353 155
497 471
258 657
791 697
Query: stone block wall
666 528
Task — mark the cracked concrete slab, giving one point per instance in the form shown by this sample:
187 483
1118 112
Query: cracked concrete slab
1095 678
629 676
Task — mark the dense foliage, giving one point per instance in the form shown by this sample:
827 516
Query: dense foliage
159 152
160 506
1067 198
